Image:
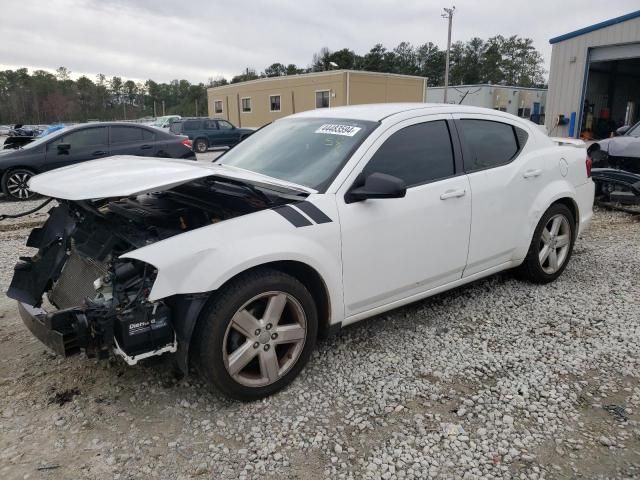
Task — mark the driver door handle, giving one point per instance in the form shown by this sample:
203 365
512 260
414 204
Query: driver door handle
99 152
146 147
453 194
532 173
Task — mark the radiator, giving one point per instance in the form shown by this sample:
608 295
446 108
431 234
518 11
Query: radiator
76 281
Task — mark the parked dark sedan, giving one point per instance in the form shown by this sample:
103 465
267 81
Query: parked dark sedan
209 132
84 142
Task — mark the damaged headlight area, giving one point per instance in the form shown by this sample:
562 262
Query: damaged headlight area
76 294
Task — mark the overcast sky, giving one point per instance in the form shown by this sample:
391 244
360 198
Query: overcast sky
198 39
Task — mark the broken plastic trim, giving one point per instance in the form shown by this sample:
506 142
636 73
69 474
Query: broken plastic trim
132 360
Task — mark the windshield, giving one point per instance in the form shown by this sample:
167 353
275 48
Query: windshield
634 131
43 139
306 151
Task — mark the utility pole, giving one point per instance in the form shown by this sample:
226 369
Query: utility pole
163 114
154 109
448 14
196 107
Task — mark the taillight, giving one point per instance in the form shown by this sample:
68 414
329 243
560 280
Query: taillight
588 164
187 143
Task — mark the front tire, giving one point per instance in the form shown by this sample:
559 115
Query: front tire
14 184
551 246
201 145
256 334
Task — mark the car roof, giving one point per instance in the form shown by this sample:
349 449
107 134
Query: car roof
200 118
106 124
379 111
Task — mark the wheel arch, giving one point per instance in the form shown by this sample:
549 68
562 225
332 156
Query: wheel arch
304 273
555 192
571 204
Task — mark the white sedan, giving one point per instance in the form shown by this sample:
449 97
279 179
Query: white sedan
317 221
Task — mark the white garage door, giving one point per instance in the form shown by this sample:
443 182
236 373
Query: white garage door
615 52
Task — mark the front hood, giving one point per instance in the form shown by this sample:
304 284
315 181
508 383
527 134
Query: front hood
621 146
128 175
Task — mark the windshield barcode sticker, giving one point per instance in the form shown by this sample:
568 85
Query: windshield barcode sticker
336 129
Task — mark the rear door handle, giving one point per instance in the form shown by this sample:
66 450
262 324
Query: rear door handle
146 147
532 173
452 194
99 152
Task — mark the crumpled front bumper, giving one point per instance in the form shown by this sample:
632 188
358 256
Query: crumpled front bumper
65 331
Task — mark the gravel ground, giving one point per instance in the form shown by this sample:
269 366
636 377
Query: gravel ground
500 379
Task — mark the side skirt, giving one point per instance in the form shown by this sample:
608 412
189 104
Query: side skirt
419 296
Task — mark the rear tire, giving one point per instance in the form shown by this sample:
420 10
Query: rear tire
256 334
14 184
551 246
201 145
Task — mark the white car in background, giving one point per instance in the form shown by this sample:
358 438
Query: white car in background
165 122
317 221
5 129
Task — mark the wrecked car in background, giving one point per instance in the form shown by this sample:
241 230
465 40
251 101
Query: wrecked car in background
316 221
616 167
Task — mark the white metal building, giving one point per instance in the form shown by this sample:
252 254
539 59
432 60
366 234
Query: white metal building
524 102
594 81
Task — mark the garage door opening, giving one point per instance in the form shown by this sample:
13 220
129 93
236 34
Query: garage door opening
612 96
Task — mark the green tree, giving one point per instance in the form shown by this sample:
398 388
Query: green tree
275 70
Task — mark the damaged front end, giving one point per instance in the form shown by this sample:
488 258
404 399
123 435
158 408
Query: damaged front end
77 293
617 180
97 301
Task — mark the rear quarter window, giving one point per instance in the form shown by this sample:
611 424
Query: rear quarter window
176 128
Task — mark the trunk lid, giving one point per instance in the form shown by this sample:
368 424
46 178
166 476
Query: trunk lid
128 175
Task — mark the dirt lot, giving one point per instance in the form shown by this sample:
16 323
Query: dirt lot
500 379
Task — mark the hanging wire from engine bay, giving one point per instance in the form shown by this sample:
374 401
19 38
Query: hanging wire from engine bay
28 212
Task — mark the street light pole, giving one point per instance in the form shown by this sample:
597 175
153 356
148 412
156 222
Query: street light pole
448 13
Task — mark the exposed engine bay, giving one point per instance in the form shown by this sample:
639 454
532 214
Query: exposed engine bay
77 294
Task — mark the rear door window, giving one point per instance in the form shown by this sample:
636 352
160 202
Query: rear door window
416 154
147 135
191 125
490 143
210 125
120 135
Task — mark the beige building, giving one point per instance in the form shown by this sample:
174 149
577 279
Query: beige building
258 102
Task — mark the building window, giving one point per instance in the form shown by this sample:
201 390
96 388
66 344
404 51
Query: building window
246 104
524 112
322 99
274 103
217 106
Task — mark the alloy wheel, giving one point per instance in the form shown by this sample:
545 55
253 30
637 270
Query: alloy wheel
555 242
264 339
17 185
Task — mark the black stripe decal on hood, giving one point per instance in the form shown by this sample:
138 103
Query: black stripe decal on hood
313 212
293 216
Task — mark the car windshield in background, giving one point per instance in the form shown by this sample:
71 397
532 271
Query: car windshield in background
634 131
306 151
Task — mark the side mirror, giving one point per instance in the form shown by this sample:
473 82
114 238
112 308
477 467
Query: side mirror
64 148
376 185
622 130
